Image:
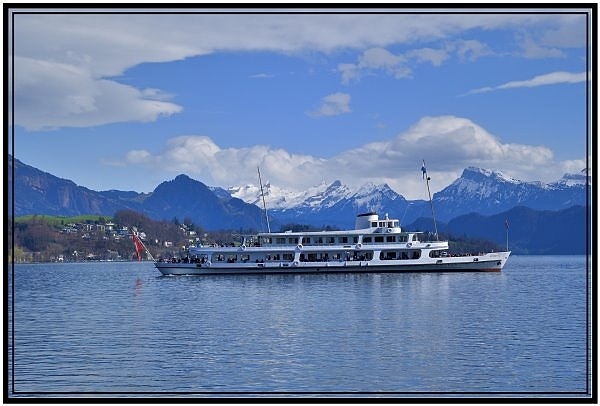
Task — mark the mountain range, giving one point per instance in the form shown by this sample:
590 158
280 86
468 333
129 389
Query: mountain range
476 191
37 192
466 206
335 204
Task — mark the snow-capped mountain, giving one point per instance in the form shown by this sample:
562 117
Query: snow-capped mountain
321 196
477 190
281 199
335 204
489 192
339 204
574 179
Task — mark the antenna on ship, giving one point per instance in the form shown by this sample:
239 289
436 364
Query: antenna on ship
425 176
262 193
405 210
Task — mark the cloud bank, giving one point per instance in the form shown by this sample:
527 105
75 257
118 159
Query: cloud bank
447 143
67 66
49 95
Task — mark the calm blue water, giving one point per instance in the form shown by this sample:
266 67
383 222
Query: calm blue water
101 328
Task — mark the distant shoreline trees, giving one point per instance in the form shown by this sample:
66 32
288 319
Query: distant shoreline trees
42 238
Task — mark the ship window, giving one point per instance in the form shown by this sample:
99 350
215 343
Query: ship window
293 240
288 257
402 238
344 240
379 238
306 240
366 240
245 258
355 239
280 240
391 238
374 224
387 255
330 240
382 224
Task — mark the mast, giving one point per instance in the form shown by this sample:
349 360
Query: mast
425 176
139 244
506 225
262 193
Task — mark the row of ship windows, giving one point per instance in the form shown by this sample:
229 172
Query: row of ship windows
386 224
334 240
321 257
231 258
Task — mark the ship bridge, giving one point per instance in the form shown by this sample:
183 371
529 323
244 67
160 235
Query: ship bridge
373 222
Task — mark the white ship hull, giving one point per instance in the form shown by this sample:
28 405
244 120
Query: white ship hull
491 262
374 245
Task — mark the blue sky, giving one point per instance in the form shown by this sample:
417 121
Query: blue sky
126 101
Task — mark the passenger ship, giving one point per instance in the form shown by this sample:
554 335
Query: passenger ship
374 245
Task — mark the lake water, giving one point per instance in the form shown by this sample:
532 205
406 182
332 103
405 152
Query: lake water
121 329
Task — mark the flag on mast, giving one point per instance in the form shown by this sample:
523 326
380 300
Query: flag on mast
138 245
424 170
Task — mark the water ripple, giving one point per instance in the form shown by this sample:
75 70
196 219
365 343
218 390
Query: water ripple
89 328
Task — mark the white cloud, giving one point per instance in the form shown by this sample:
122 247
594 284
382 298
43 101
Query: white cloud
379 58
375 59
50 95
568 31
573 166
533 50
434 56
400 65
349 71
553 78
262 76
200 156
332 105
447 143
470 50
67 65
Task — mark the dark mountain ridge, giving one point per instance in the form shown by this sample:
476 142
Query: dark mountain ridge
38 192
558 227
540 232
